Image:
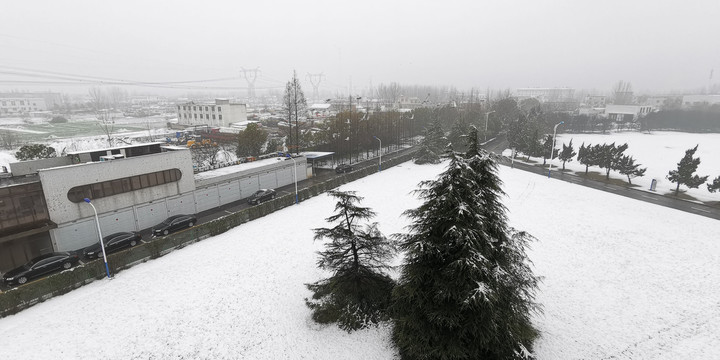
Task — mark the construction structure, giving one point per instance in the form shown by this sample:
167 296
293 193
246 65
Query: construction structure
250 77
315 80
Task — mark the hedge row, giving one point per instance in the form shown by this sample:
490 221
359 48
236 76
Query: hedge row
15 300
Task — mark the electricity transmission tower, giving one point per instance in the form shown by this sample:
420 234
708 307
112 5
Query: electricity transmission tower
251 80
315 80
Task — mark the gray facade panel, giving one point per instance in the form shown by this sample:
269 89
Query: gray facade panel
229 192
249 185
76 235
206 199
286 176
151 214
268 180
121 220
183 204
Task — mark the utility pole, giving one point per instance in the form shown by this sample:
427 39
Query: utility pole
251 80
315 80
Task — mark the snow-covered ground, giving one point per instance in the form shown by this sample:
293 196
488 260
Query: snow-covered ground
622 279
659 152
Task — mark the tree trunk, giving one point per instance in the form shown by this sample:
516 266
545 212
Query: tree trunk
677 189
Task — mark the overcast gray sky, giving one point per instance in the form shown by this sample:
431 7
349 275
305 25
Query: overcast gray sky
655 44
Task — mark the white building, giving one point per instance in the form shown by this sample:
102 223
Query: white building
546 94
221 113
627 113
19 105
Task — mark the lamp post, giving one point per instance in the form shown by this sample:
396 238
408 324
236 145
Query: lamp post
487 116
295 172
380 152
553 146
102 245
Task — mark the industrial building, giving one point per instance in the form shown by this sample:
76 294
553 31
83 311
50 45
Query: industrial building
220 113
133 187
21 105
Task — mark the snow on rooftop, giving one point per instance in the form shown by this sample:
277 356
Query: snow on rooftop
236 168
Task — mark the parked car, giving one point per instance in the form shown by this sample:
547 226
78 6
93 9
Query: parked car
41 265
261 195
173 223
113 243
343 168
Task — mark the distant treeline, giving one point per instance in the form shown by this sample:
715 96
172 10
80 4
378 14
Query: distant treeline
693 120
699 119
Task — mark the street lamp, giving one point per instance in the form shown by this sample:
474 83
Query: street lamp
295 172
102 245
380 152
553 146
487 115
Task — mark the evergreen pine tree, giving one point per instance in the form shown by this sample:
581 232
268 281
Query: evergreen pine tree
608 157
358 293
627 167
568 153
684 175
466 290
432 145
714 186
457 134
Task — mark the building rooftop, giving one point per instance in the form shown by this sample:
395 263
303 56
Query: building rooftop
114 148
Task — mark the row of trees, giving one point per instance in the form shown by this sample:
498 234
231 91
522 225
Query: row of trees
466 290
609 157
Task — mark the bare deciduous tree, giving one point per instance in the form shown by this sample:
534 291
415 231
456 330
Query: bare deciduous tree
294 104
97 97
622 93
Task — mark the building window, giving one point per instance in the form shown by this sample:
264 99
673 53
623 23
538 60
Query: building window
219 108
220 117
118 186
207 116
193 108
178 107
206 108
195 116
213 116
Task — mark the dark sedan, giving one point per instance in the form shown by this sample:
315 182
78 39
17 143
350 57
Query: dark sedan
113 243
174 223
343 168
41 265
261 195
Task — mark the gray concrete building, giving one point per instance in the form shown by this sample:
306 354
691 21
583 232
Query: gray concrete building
134 187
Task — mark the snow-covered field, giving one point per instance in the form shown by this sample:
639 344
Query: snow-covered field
622 280
659 152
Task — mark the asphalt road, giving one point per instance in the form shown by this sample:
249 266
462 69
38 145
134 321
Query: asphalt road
499 145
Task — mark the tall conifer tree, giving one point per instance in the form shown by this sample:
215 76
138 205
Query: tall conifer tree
466 290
